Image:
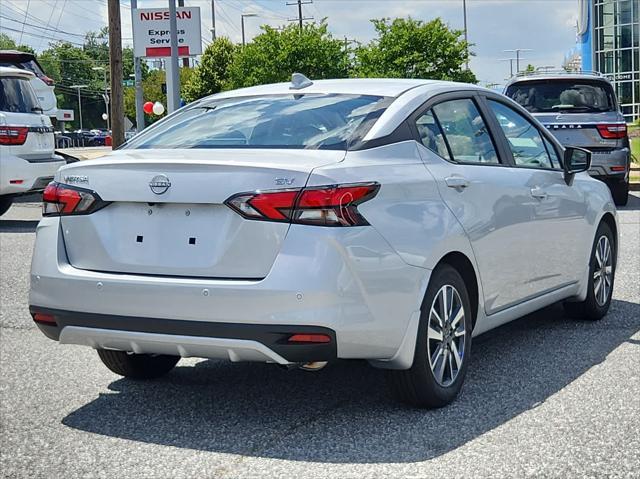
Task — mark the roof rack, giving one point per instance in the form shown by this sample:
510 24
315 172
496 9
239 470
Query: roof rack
558 72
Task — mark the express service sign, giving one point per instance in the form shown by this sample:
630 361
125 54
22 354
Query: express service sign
152 38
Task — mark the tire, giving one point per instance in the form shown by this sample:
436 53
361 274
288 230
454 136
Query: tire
5 204
620 192
419 386
137 366
596 305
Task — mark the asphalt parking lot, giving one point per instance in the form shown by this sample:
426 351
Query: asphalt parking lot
546 396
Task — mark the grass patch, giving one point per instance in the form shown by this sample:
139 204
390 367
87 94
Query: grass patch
635 149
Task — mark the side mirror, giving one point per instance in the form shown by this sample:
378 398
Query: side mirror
576 160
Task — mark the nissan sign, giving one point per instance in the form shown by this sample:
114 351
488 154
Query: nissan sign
152 37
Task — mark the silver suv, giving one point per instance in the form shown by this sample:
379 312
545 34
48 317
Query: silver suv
581 109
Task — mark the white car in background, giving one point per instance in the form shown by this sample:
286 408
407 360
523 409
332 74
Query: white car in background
42 85
27 158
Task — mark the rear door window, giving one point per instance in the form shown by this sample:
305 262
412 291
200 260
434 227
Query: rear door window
550 96
17 96
524 139
431 135
466 132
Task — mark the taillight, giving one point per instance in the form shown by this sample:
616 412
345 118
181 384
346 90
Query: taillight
13 135
63 200
335 205
614 131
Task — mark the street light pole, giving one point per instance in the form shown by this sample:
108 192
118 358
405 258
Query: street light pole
242 17
213 20
105 95
466 37
173 73
137 70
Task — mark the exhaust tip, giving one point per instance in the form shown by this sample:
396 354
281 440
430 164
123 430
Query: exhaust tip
313 366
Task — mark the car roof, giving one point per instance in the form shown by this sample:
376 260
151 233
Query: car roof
525 78
391 87
13 72
17 55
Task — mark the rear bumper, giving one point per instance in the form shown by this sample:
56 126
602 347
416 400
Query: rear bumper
347 281
612 165
236 342
19 176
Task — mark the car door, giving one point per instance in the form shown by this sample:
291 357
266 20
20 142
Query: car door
478 184
560 210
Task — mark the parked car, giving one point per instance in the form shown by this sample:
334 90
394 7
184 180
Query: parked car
27 158
42 85
300 223
581 110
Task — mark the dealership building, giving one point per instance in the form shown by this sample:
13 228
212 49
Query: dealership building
609 42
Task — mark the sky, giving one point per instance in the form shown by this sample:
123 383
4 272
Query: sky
546 27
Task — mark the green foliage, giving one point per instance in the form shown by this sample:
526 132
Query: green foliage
274 55
408 48
530 68
7 43
213 72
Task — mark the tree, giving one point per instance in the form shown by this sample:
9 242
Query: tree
213 72
274 55
408 48
530 68
8 43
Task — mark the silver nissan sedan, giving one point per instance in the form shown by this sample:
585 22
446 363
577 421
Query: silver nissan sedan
304 222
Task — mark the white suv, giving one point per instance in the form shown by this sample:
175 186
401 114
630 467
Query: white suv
27 158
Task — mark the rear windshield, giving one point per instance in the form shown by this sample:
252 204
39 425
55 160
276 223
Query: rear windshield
299 121
17 96
546 96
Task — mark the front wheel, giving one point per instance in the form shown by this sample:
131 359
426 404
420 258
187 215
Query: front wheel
443 345
5 204
602 269
137 366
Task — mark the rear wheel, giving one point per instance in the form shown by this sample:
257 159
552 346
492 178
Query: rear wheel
137 366
5 204
443 344
602 268
620 192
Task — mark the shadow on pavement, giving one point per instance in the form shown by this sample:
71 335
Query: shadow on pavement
344 414
18 226
634 202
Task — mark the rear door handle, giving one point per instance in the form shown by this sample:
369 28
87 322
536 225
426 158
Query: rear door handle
538 193
456 182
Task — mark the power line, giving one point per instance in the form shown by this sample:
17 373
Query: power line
25 19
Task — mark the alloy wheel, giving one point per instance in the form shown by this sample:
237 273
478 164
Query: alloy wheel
603 271
446 335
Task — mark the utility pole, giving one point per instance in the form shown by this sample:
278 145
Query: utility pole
185 60
173 68
115 64
300 18
213 20
78 87
517 52
466 37
510 60
137 71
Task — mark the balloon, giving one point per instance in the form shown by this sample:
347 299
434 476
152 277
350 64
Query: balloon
158 109
148 107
